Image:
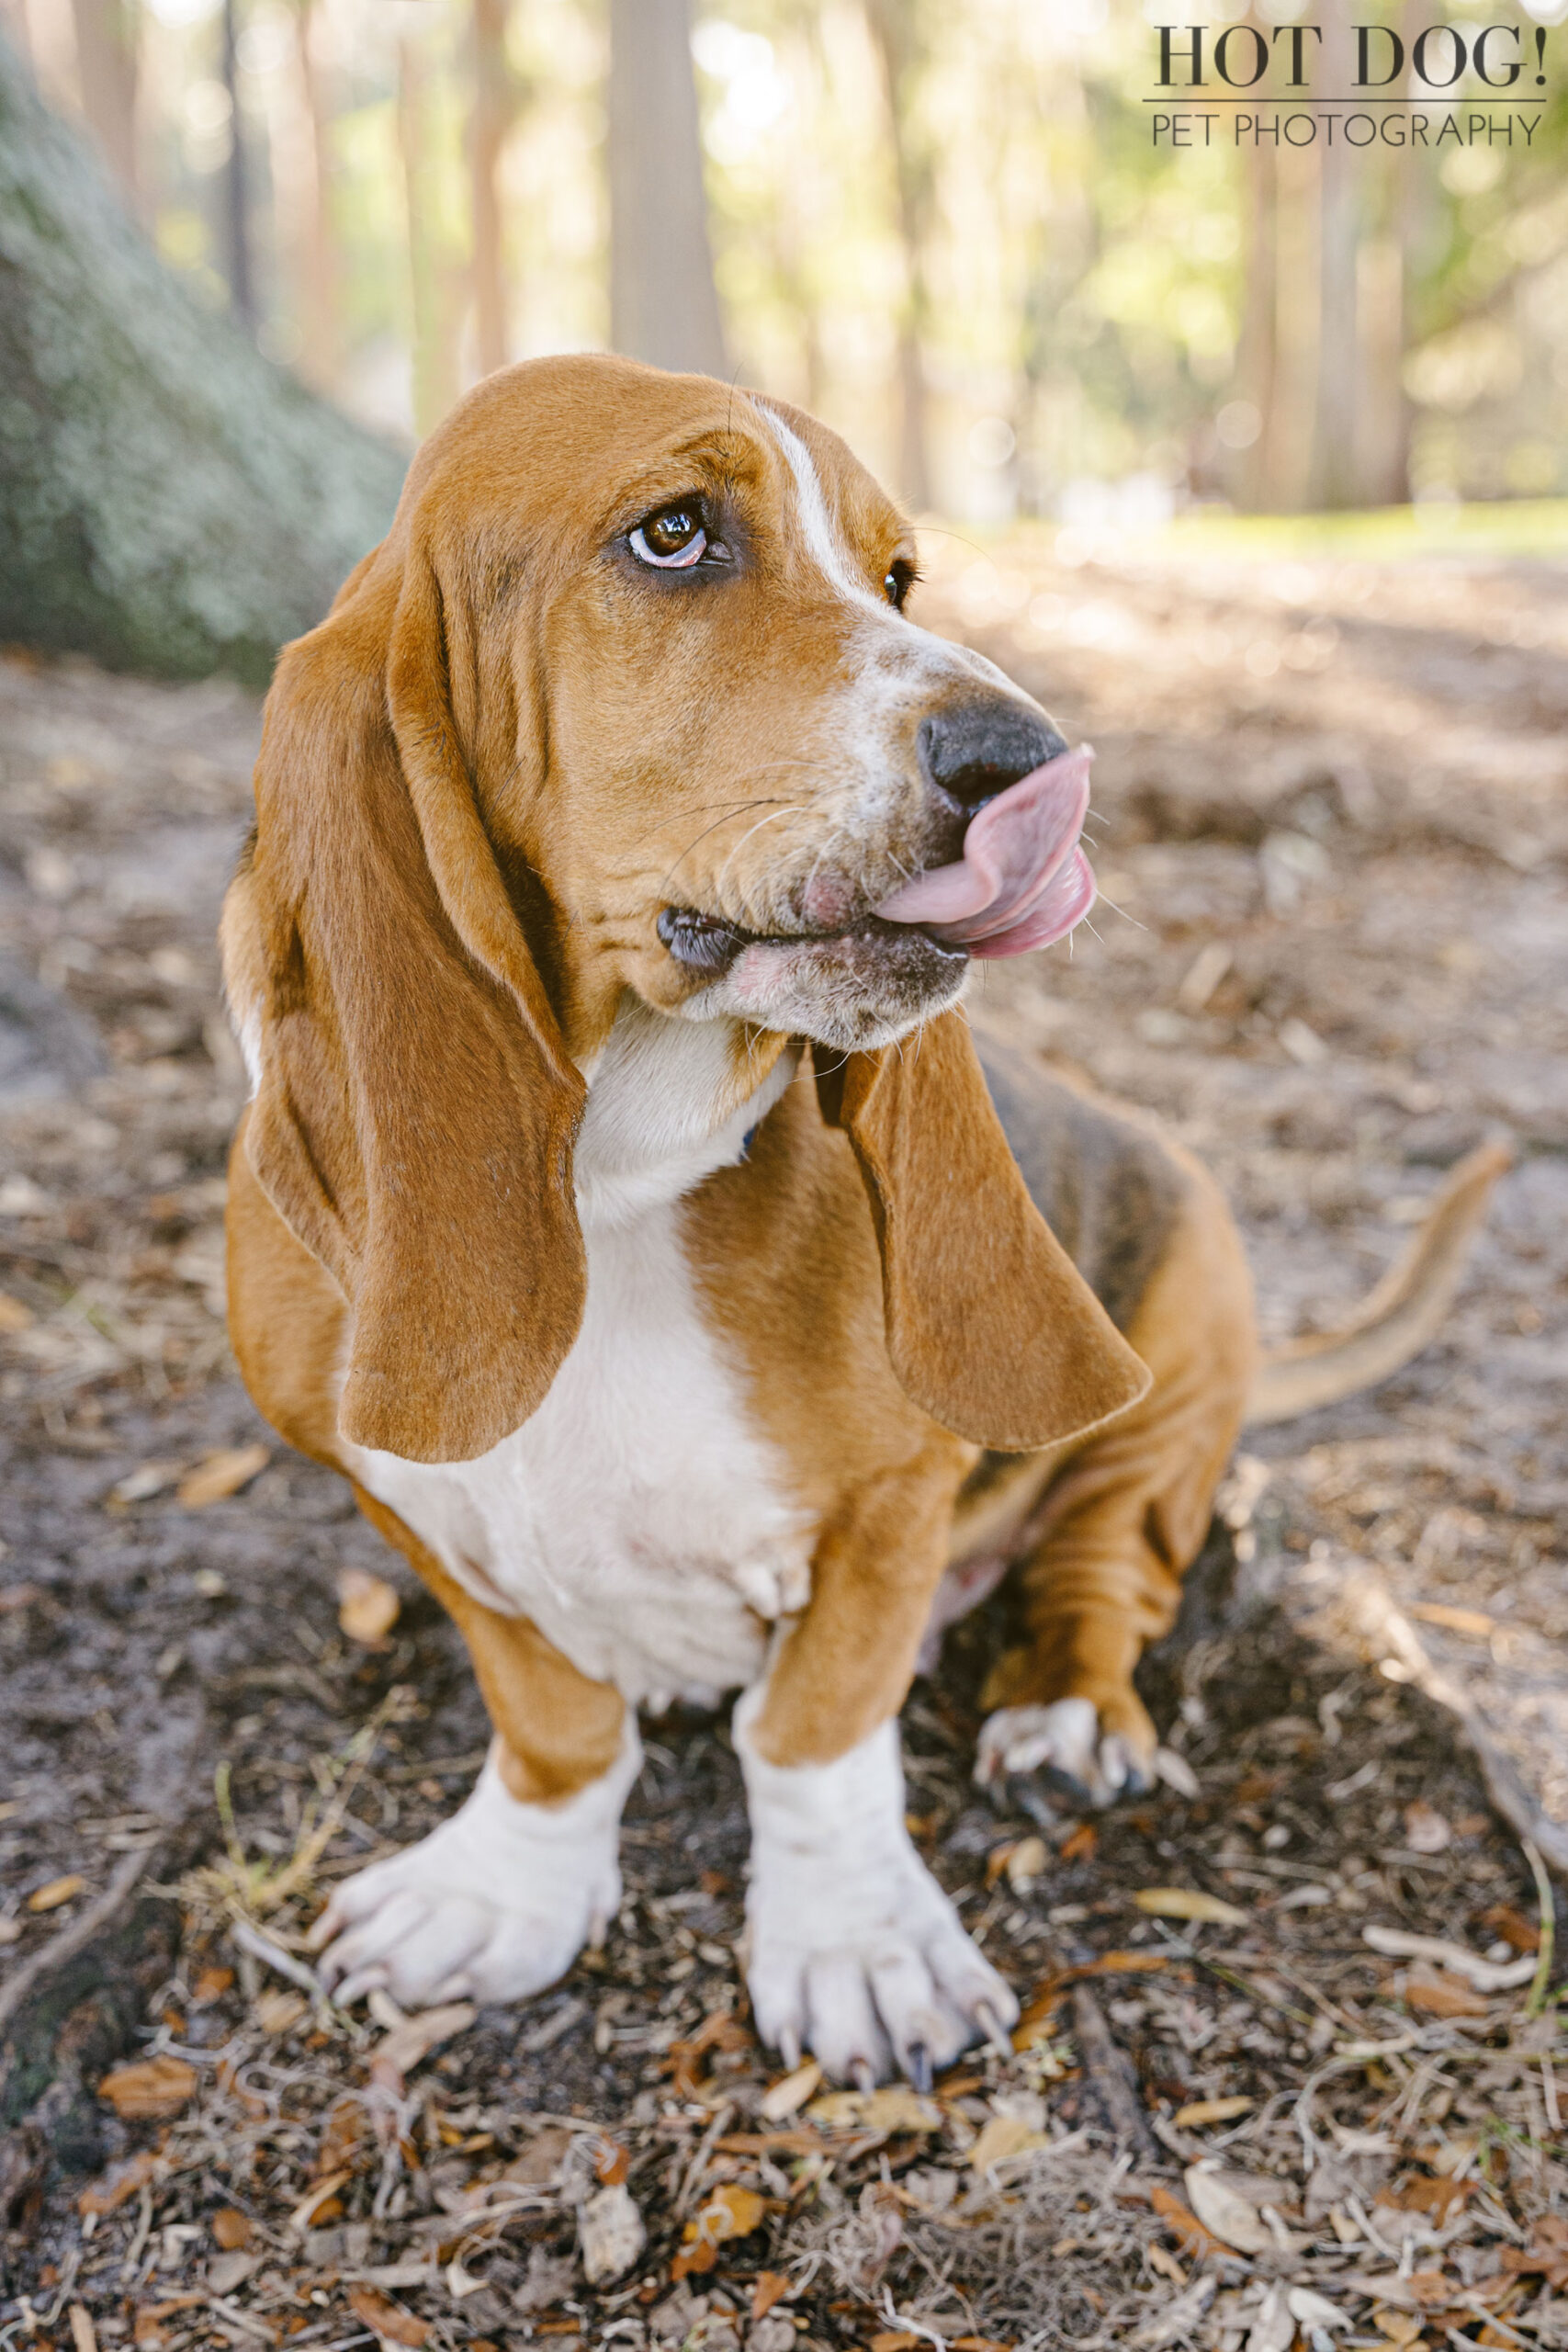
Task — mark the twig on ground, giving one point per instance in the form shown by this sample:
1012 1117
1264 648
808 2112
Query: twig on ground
1111 2073
1540 1982
70 1941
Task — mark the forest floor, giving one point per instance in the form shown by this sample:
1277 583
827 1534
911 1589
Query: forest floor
1332 809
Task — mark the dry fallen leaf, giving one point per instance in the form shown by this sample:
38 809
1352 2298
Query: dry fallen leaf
57 1891
1547 2252
230 2227
139 1486
1273 2328
1026 1864
611 2232
1315 2311
1513 1927
730 2213
1003 2136
1188 1903
895 2107
210 1986
222 1474
150 2089
13 1316
769 2287
1426 1831
1211 2110
316 2196
276 2012
367 1607
1225 2214
112 2189
385 2319
788 2095
1437 1995
1186 2224
227 2271
413 2039
1457 1621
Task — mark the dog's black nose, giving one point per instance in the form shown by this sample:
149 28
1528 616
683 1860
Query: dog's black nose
970 754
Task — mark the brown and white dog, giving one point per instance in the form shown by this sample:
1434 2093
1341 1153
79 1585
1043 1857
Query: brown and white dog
623 1209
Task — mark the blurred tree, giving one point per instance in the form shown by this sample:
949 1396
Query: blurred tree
236 185
106 34
304 180
494 111
664 303
896 32
1333 481
433 279
168 501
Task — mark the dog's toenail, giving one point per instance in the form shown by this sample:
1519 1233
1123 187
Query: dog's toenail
918 2066
991 2026
862 2074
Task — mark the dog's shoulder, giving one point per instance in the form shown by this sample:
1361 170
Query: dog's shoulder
1100 1175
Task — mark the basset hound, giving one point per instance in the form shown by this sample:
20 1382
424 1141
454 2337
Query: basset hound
624 1208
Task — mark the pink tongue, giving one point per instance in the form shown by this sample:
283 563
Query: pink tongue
1022 880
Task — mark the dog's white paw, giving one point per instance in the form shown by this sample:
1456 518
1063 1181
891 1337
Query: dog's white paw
856 1953
493 1905
1065 1741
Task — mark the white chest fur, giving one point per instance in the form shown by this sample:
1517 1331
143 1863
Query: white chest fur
638 1518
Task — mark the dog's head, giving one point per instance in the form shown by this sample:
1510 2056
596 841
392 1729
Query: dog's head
625 703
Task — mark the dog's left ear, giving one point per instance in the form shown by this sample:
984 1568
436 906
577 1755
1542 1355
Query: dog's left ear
991 1329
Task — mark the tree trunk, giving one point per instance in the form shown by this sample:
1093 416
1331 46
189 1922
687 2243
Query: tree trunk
431 275
664 302
1332 482
106 67
1256 469
301 171
168 501
893 31
236 182
494 106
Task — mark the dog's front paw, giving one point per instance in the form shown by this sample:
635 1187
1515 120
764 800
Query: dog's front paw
493 1905
856 1953
1070 1744
872 1976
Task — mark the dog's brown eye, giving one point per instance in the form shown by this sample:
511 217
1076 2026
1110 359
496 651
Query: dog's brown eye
897 581
673 539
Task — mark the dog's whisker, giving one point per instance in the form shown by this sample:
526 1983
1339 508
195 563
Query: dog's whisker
789 808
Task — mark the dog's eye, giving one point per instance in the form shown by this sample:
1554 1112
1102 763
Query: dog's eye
673 539
897 581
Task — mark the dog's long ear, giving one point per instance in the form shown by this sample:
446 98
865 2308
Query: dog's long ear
416 1108
991 1329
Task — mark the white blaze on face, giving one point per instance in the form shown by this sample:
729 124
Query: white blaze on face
898 645
826 549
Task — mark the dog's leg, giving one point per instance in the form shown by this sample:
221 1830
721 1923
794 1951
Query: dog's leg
855 1952
1122 1522
499 1900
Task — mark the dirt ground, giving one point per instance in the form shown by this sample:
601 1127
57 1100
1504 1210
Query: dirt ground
1331 814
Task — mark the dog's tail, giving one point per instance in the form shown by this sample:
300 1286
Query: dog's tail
1398 1318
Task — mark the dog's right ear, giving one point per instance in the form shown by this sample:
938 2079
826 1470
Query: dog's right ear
415 1107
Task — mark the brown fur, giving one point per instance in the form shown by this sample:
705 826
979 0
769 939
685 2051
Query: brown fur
481 779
